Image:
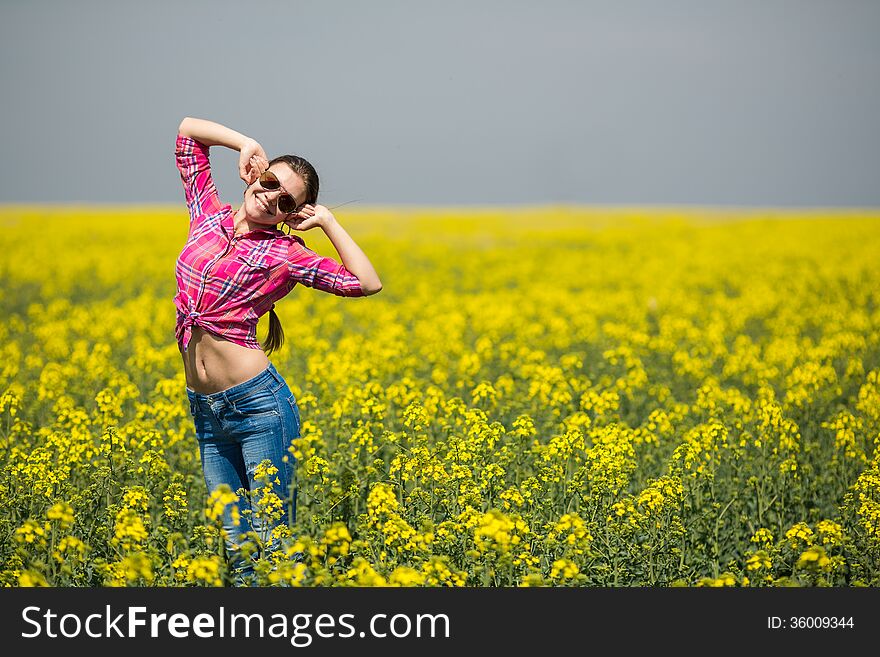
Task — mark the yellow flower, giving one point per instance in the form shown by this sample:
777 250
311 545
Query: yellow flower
512 497
62 512
363 574
175 503
725 579
762 536
32 532
30 578
336 541
205 571
498 533
571 533
484 392
799 533
180 566
219 499
10 401
758 560
532 579
414 417
69 548
831 532
129 531
136 497
264 473
406 576
288 573
524 426
136 567
437 573
814 558
563 570
381 500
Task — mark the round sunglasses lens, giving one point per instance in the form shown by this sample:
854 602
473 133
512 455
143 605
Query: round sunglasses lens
269 181
286 203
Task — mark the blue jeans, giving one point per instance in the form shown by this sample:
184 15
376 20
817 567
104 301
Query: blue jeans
237 429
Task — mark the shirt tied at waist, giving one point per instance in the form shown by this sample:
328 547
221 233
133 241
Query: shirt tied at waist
188 319
228 322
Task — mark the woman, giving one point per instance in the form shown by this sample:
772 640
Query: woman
234 267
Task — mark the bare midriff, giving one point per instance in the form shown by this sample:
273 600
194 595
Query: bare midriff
213 364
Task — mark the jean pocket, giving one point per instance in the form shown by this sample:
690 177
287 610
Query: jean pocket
259 402
193 407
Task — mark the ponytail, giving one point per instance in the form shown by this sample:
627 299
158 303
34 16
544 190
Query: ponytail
276 334
306 171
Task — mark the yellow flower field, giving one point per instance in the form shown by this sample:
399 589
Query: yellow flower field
538 397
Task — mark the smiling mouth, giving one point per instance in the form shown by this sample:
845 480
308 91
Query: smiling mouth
265 208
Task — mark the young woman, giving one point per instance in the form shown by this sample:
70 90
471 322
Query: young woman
234 267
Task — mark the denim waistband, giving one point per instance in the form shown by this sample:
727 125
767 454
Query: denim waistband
240 390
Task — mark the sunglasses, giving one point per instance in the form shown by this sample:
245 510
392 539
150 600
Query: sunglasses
286 203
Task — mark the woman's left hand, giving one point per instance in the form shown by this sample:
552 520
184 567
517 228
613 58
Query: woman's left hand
309 216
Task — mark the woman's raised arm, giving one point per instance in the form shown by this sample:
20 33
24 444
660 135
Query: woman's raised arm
211 133
214 134
353 258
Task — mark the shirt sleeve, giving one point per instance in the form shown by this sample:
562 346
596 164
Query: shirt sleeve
195 173
325 274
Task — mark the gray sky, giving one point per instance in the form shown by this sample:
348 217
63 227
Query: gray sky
451 102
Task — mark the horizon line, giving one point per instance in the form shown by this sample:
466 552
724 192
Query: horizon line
711 207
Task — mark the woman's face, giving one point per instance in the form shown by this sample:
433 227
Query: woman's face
261 205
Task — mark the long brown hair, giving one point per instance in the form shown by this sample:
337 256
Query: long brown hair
309 176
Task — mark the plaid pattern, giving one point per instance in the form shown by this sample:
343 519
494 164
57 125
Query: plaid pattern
226 282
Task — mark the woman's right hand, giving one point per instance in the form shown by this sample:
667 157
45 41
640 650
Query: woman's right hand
252 161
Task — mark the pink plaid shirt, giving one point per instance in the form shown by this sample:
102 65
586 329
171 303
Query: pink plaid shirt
226 282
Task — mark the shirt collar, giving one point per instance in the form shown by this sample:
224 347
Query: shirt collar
228 226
